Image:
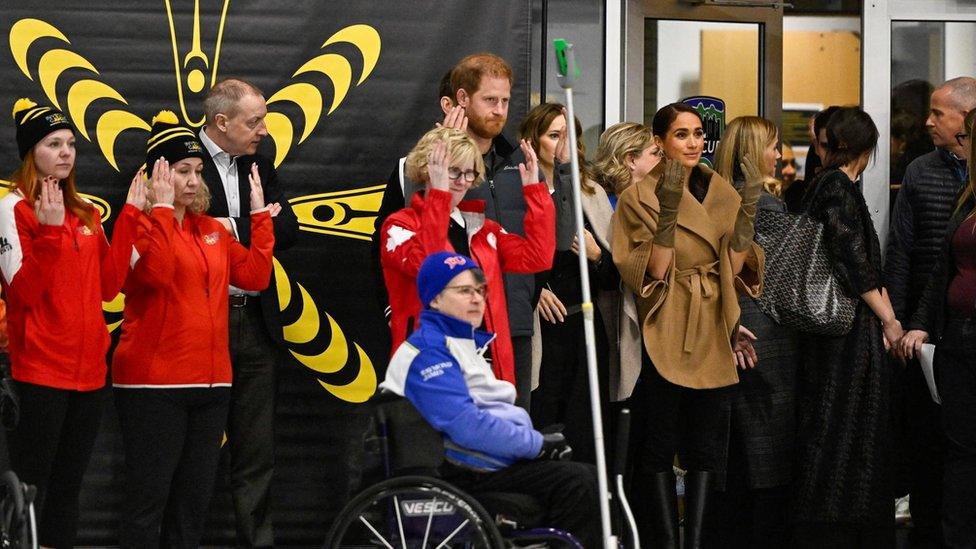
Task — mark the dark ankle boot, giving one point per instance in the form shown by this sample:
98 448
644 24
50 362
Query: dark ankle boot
698 484
664 509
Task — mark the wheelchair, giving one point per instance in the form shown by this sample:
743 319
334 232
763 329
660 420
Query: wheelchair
413 508
18 527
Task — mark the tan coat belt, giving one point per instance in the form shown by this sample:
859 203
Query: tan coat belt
700 287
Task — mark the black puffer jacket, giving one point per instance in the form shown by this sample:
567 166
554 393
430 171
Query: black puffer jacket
922 209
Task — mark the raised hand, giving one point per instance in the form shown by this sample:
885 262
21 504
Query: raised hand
162 182
138 190
257 192
455 118
561 155
438 162
530 169
274 208
753 185
49 206
745 230
670 188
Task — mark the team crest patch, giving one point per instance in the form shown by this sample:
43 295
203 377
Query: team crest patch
455 261
211 238
85 231
56 118
192 146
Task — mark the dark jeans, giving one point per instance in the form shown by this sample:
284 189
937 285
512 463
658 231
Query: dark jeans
522 349
50 449
566 490
955 366
250 428
172 446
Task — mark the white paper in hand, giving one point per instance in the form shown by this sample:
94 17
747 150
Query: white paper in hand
926 358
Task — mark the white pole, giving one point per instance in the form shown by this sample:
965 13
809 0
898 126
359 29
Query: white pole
566 64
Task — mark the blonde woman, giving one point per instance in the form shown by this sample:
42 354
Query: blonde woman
446 162
626 154
751 510
171 371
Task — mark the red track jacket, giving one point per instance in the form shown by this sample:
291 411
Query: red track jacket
413 233
55 279
174 327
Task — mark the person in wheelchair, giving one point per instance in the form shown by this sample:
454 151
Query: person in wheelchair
490 444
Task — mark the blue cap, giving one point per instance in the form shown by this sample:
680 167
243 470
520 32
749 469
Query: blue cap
437 271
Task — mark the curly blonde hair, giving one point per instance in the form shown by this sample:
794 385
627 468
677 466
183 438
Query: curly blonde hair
460 146
619 143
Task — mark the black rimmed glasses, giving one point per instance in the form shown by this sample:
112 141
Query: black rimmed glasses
469 175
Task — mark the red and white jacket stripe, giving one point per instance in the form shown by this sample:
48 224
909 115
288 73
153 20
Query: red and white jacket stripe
54 281
175 323
411 234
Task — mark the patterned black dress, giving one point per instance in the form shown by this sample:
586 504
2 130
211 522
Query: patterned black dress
844 383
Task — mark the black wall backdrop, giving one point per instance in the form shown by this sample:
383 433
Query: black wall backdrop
351 86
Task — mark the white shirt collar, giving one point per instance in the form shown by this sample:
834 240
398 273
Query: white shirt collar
219 155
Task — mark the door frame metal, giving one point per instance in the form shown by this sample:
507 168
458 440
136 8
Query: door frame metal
625 91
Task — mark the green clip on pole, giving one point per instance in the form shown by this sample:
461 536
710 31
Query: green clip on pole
568 72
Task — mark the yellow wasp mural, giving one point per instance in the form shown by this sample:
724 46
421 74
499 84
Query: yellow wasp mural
347 214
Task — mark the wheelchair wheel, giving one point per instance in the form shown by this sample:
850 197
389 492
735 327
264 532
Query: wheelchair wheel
413 513
17 526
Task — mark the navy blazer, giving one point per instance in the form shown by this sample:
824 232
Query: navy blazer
285 224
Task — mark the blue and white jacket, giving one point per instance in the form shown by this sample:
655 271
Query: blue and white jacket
441 371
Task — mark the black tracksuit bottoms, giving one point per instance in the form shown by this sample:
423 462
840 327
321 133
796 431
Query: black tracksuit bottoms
172 440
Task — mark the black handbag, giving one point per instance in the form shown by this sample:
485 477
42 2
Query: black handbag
799 287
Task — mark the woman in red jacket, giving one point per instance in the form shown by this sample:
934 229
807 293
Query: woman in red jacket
447 162
171 370
57 269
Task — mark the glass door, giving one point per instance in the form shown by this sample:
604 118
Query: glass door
910 48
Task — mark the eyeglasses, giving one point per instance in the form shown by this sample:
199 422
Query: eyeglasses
455 173
469 291
960 137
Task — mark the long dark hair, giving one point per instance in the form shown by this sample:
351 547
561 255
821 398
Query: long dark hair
850 134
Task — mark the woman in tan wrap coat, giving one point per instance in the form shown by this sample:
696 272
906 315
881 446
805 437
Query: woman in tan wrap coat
683 242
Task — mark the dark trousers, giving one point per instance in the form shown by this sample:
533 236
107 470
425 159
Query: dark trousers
50 449
250 428
567 490
522 349
669 419
563 395
955 365
172 446
924 446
